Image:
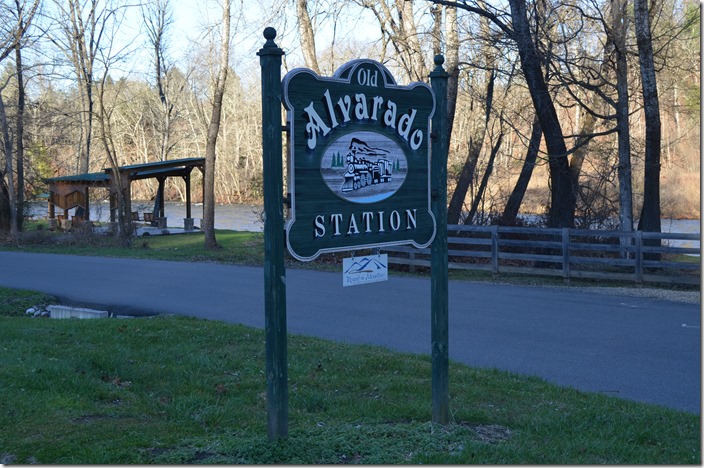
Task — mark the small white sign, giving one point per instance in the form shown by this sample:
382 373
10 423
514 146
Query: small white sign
363 270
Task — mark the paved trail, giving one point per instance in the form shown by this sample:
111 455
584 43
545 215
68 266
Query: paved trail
637 348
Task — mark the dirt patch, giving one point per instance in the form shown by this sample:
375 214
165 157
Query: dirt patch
490 433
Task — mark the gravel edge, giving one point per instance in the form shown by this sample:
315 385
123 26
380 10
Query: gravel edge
689 297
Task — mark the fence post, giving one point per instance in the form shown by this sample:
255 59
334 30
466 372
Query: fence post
438 253
495 249
566 255
274 272
639 257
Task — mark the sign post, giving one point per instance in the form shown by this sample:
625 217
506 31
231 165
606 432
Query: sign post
274 272
438 251
360 176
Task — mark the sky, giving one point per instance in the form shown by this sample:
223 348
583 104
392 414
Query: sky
250 17
193 18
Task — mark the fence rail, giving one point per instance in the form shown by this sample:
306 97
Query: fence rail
643 257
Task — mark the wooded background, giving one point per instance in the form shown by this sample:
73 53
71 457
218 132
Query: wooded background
89 84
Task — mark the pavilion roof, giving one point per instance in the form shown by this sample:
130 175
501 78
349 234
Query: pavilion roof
167 168
93 177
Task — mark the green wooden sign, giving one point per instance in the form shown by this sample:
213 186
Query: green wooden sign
359 160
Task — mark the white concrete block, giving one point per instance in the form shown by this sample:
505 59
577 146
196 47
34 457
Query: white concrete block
63 312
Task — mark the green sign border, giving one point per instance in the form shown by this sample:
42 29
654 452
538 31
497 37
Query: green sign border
320 114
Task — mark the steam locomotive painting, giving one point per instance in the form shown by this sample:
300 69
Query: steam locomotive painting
363 167
362 172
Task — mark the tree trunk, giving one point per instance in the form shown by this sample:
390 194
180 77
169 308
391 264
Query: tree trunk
9 171
650 214
513 205
563 196
454 209
20 137
452 59
213 129
485 181
86 127
625 188
419 71
166 106
305 30
4 205
119 183
436 35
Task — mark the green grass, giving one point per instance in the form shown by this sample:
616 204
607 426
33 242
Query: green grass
234 247
170 390
239 247
16 302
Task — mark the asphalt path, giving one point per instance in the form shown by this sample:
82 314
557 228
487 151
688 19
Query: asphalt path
637 348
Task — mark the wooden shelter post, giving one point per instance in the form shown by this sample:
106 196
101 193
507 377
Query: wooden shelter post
86 215
187 180
113 205
160 196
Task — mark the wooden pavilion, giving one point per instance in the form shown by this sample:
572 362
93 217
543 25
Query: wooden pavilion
73 191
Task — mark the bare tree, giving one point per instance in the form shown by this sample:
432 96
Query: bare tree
12 40
81 31
487 63
213 130
398 27
563 186
158 18
105 116
563 194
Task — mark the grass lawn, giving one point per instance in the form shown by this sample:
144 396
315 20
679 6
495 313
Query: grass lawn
172 390
239 247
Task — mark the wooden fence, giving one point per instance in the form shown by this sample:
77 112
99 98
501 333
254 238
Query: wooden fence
570 253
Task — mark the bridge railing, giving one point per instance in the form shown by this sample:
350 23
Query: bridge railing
642 257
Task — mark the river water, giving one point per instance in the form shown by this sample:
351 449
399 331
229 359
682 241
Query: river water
239 217
244 217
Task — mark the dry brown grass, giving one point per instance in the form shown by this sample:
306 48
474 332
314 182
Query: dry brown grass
681 194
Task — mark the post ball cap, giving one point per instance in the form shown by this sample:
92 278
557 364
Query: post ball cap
439 60
269 33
